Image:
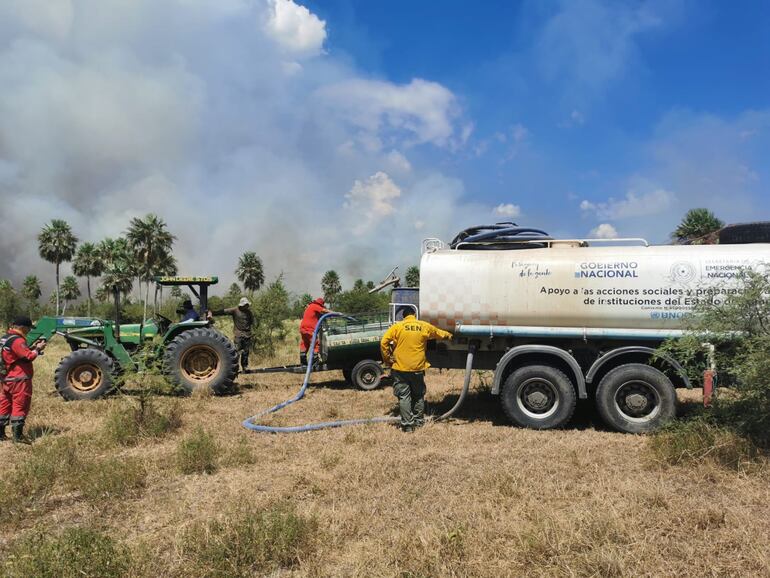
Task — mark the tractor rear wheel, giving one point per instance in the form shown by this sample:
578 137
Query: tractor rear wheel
84 374
201 357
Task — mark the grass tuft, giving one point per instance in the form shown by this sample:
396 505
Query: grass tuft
249 543
698 441
197 453
128 423
72 553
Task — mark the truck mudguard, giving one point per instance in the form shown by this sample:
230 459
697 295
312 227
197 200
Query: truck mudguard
549 350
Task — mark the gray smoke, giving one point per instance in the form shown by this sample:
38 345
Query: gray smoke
228 120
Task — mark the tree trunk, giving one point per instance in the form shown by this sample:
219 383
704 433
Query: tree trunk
57 289
146 299
155 301
63 309
88 288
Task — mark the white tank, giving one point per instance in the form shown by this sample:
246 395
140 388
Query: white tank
566 285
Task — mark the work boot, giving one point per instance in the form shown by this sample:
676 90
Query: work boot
303 358
407 429
3 437
18 434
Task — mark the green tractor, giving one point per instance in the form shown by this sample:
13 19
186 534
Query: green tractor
192 354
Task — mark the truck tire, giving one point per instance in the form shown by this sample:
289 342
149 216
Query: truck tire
366 375
201 357
636 398
84 374
538 397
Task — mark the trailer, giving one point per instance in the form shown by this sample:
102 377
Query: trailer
559 320
350 346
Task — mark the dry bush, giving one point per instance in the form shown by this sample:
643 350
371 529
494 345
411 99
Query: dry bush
248 543
129 422
72 553
197 453
698 441
240 454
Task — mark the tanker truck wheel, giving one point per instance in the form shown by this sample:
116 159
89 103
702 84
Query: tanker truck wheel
200 358
538 397
84 374
366 375
636 398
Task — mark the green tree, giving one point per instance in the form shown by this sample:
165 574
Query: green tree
300 304
151 243
270 307
695 224
331 287
56 244
739 326
250 272
31 292
70 291
88 263
233 295
119 270
413 276
166 267
9 302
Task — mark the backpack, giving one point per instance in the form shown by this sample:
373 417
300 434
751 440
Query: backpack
6 342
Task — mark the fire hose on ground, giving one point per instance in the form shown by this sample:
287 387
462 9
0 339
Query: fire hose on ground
249 422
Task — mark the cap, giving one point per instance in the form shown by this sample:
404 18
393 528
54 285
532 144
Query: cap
23 321
320 301
243 302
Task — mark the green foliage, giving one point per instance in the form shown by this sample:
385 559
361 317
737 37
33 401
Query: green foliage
56 244
69 291
249 543
197 453
701 440
736 319
130 422
331 287
72 553
232 296
31 292
299 305
270 308
697 223
412 278
119 266
359 300
88 263
250 271
10 304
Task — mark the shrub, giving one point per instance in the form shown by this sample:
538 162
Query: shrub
197 453
249 543
73 553
128 423
699 440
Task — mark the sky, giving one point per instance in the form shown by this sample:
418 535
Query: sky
337 134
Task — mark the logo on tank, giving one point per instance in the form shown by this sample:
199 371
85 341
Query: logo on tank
607 270
682 272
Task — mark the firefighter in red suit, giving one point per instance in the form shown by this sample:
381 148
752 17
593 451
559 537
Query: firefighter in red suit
16 393
313 313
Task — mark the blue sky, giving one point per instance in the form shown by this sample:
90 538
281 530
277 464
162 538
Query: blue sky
596 89
329 134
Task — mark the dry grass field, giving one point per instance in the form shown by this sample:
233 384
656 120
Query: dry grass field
192 493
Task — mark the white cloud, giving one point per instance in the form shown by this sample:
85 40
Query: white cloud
372 199
399 162
297 30
633 205
424 111
604 231
507 210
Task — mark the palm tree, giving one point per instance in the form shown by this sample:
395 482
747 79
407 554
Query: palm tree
88 263
56 244
413 276
31 291
165 267
250 272
695 224
330 285
69 291
119 269
151 243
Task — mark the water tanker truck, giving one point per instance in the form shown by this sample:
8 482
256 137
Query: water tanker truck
561 320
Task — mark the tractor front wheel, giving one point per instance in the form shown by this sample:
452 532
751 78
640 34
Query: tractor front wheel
201 357
84 374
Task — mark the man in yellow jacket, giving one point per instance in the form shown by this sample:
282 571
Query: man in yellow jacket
403 347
